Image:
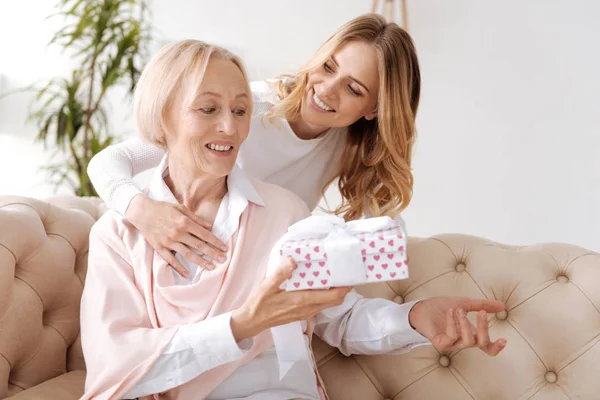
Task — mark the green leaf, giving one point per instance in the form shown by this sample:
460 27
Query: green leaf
45 128
61 127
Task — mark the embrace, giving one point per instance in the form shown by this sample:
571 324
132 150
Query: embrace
177 302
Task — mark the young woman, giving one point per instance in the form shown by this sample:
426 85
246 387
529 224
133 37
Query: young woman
348 115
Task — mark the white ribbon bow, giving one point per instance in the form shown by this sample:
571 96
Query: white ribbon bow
345 263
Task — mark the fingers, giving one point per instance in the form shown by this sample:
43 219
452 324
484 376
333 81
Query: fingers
496 347
467 339
196 226
474 331
196 218
190 255
207 237
326 298
173 262
311 302
447 340
483 337
490 306
284 272
203 248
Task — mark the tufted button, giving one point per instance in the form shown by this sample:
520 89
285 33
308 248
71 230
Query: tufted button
551 377
562 279
460 267
502 315
398 299
444 361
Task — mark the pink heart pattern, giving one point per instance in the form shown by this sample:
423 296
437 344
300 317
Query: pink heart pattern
383 254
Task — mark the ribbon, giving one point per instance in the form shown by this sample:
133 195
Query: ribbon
344 258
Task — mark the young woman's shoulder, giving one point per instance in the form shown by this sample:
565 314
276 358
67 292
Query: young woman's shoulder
264 95
280 202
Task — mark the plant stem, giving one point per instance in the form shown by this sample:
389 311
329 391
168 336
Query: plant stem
75 158
89 111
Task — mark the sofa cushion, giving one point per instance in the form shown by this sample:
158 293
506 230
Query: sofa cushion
67 386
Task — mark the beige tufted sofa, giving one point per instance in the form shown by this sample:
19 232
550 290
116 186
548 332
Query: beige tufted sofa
552 325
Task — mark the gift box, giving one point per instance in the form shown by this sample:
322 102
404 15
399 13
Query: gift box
329 252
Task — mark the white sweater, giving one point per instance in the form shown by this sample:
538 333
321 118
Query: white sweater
272 153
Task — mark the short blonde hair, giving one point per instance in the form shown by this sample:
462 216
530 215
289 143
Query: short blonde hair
169 69
375 174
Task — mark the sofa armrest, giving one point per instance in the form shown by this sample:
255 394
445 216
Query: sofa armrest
64 387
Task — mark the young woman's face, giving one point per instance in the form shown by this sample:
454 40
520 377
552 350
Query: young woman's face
343 89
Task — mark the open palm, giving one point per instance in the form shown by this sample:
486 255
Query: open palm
443 321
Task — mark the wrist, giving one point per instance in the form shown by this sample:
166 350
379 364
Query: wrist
133 211
242 325
413 315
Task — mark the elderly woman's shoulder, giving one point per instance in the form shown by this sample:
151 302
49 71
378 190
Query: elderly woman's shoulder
278 199
111 223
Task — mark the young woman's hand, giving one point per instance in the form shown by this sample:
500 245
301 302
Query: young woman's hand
269 306
173 228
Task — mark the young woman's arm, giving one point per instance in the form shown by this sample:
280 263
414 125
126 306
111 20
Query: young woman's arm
167 227
112 171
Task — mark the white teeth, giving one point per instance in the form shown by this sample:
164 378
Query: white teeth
321 105
219 147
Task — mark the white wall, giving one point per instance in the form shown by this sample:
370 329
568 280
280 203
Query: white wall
509 147
509 143
24 59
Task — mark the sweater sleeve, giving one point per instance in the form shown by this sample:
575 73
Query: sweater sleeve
112 170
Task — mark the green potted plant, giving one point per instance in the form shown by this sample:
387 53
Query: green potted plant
109 40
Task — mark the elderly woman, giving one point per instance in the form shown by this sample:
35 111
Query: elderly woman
148 331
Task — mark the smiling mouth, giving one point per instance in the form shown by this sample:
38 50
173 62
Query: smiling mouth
321 104
216 147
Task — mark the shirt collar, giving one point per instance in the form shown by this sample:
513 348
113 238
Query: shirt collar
238 185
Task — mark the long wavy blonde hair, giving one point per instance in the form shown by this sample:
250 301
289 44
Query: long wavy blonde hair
375 176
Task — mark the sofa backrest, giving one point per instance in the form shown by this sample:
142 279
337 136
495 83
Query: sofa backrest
552 325
43 262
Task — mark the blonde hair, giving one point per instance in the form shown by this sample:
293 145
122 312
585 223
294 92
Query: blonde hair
173 67
375 176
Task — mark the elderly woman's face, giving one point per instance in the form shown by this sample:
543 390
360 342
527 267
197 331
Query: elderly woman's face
207 133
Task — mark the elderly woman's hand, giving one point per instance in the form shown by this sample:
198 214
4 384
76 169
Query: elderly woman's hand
269 306
172 228
443 321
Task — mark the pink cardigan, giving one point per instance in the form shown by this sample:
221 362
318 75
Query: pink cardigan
131 307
